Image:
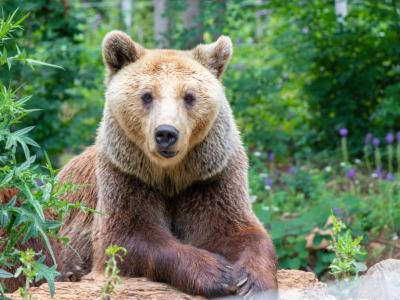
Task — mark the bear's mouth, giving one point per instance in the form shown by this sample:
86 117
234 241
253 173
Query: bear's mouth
167 153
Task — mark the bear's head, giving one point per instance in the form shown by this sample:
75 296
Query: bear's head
165 101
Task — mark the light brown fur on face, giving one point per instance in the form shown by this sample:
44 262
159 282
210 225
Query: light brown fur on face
168 75
185 220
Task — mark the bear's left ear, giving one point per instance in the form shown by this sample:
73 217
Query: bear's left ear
120 50
214 56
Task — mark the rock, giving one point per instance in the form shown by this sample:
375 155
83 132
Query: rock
382 281
292 283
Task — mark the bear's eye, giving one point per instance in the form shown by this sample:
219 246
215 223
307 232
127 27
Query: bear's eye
189 99
147 98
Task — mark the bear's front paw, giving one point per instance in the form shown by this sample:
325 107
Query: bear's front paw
254 284
214 280
72 273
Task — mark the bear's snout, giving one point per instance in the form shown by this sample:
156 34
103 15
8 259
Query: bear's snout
166 136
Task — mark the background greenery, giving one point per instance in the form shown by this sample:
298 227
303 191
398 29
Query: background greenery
299 73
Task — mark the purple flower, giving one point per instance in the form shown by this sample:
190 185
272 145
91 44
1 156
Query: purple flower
271 156
351 174
343 132
377 174
389 177
305 30
389 138
268 182
39 182
376 141
338 211
398 137
292 170
368 138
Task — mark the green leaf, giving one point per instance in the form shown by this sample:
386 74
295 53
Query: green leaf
5 274
36 205
4 218
41 63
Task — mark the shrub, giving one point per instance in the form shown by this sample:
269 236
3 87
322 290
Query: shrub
36 190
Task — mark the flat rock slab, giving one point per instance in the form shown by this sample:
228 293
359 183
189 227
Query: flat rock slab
299 283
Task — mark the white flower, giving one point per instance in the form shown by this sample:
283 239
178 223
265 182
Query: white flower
267 187
374 175
357 182
253 198
357 161
257 154
265 208
395 237
343 164
328 169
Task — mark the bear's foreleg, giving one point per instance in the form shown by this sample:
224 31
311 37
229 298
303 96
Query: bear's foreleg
136 217
216 216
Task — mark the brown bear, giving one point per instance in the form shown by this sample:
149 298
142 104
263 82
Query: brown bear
168 176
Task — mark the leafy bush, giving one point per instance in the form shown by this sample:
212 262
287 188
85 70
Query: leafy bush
345 263
36 191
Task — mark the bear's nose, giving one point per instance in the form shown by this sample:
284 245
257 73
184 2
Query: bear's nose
166 136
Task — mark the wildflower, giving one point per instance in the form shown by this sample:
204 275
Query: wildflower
376 141
342 164
328 169
389 176
39 182
343 132
338 211
351 174
268 183
305 30
292 170
257 154
395 237
271 156
368 138
389 138
357 161
377 173
253 198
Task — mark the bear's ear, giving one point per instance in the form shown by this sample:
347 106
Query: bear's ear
119 50
214 56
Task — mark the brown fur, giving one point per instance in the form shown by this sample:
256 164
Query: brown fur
187 220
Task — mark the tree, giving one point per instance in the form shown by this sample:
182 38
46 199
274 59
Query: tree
161 23
192 22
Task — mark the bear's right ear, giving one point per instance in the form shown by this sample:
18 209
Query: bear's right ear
119 50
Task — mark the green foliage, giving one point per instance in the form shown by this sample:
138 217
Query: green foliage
113 279
37 191
55 36
345 264
34 271
295 204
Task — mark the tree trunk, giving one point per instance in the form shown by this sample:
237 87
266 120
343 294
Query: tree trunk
126 13
192 22
161 23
